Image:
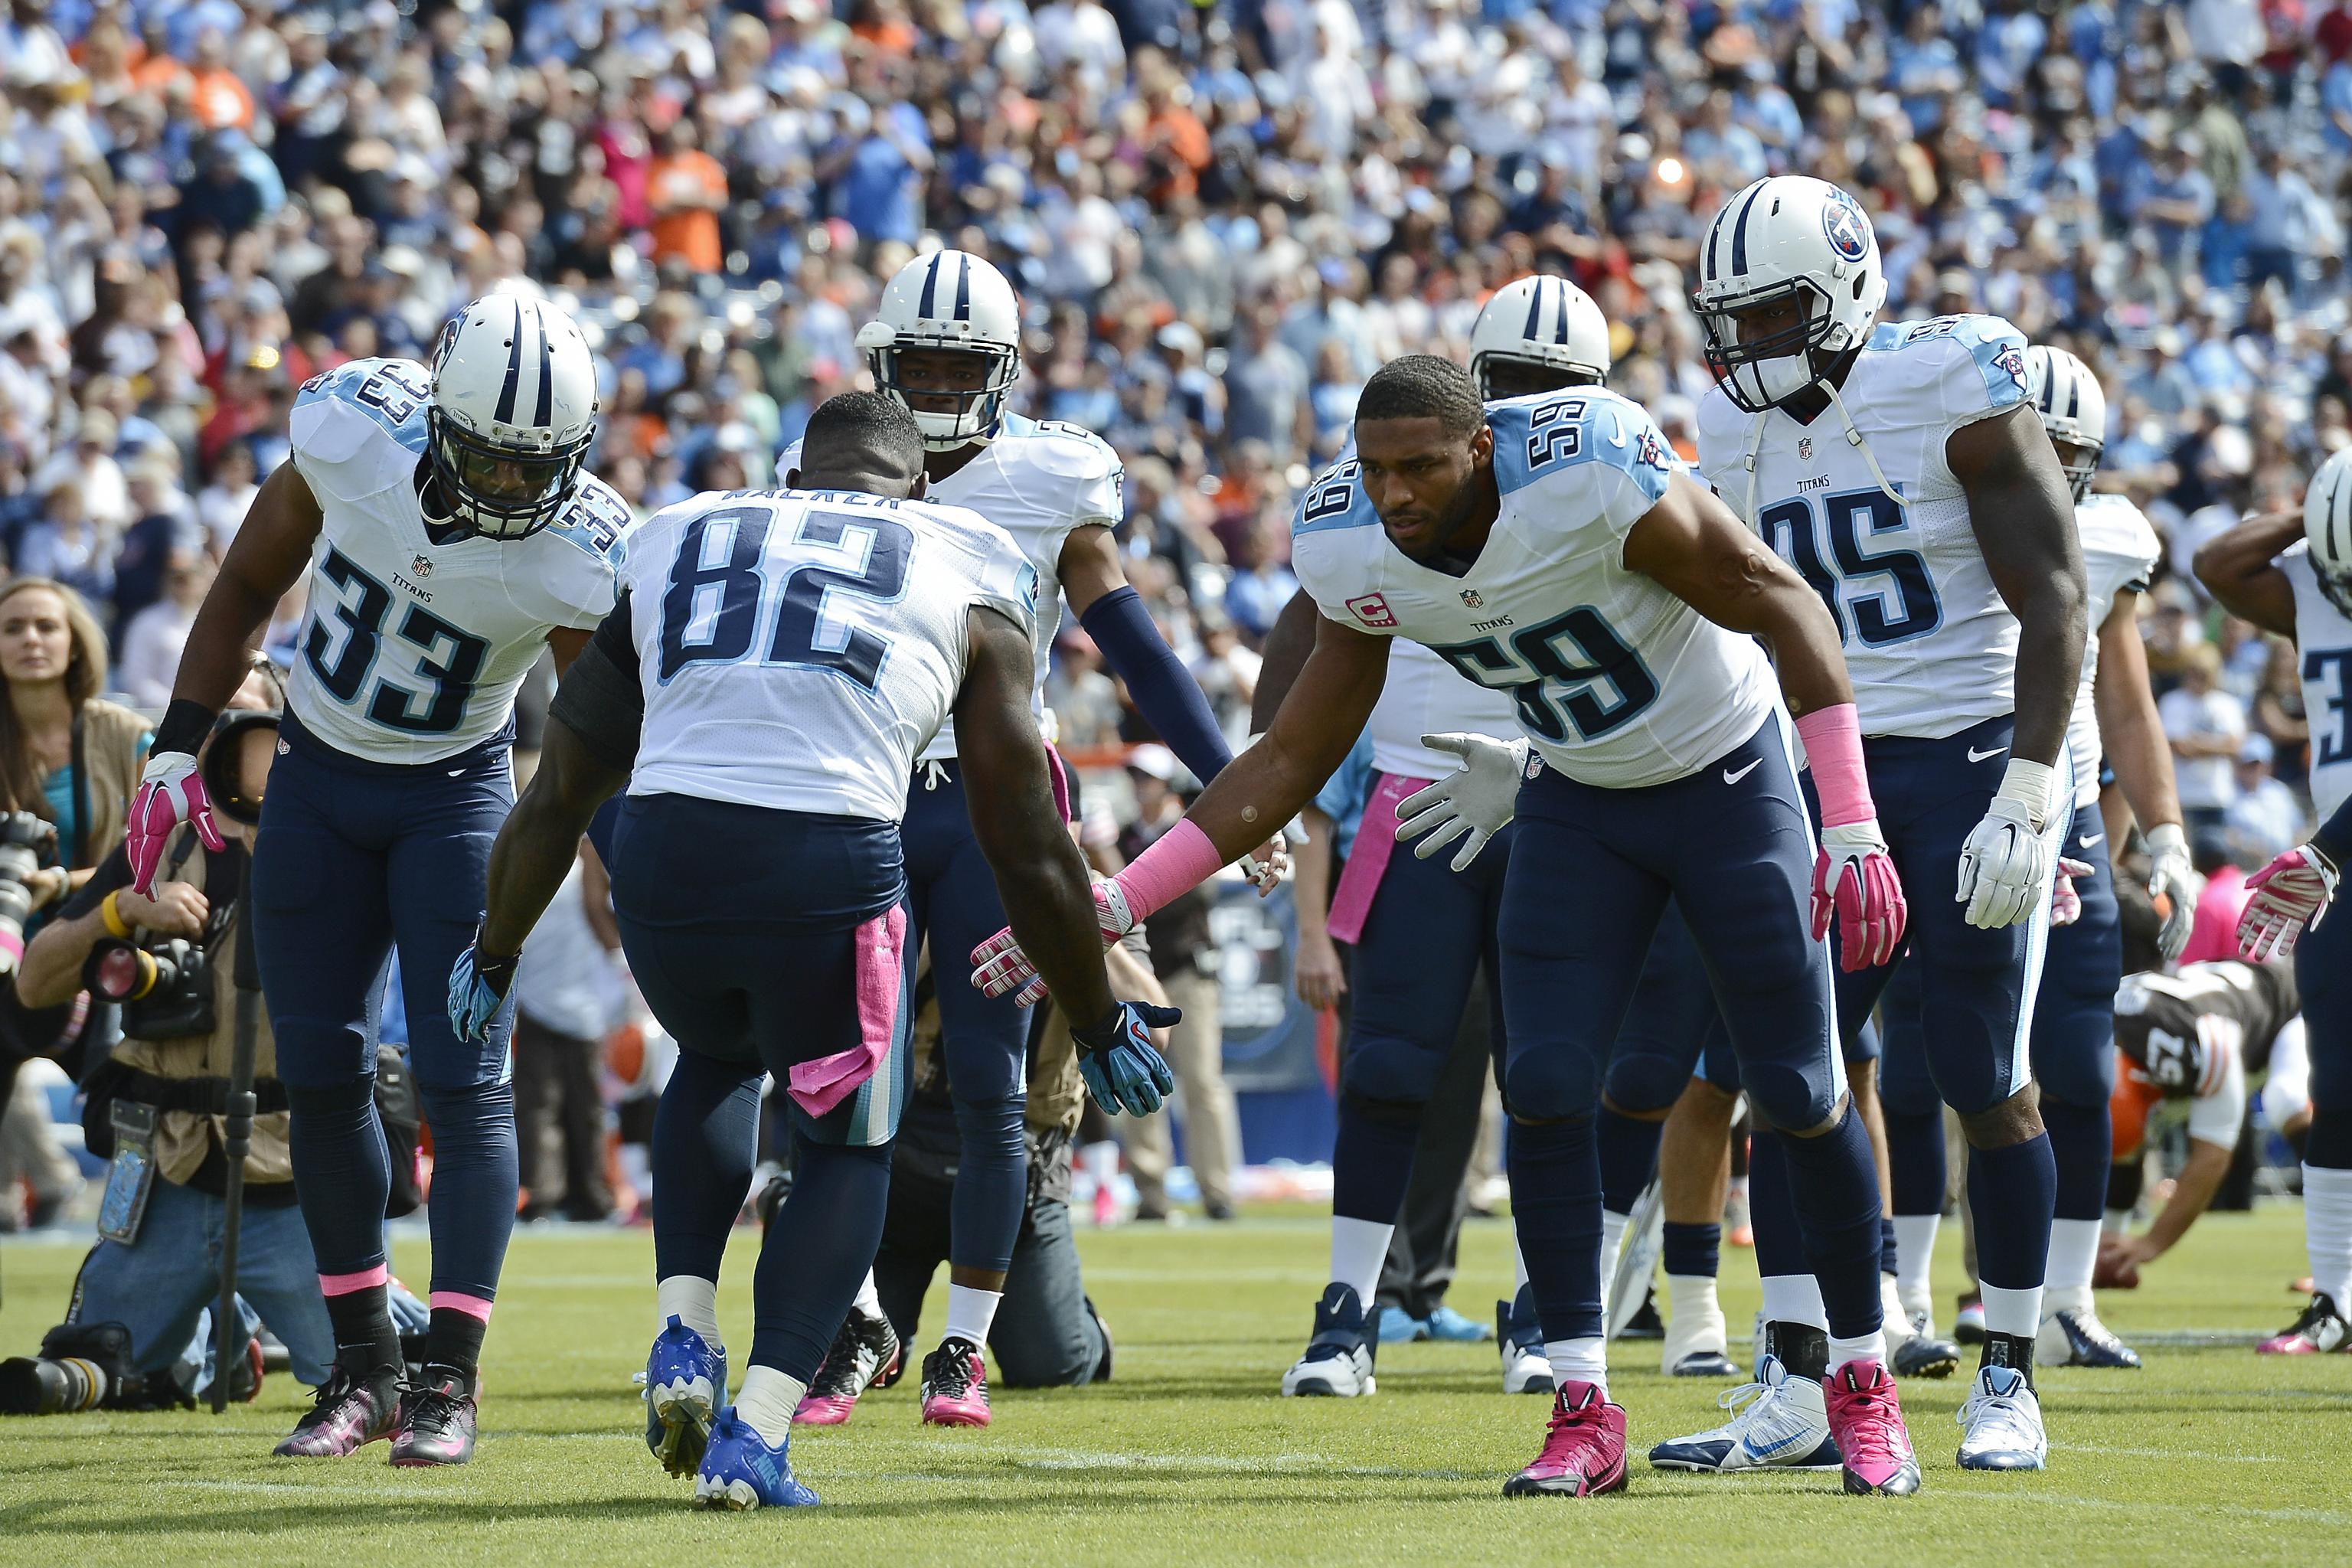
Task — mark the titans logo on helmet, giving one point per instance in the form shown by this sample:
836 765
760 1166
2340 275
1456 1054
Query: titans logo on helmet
1849 235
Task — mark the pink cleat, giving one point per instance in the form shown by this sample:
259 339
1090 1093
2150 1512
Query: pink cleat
350 1413
955 1386
1584 1449
2320 1329
864 1353
1866 1419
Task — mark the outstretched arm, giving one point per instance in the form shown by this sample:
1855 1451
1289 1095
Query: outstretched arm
2240 568
2024 517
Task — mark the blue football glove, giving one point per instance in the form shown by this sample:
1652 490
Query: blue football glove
1116 1057
477 989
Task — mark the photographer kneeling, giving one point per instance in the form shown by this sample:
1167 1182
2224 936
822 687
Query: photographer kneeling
157 1107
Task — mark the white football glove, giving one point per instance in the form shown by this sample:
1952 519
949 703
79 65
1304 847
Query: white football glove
1479 800
2006 864
2172 877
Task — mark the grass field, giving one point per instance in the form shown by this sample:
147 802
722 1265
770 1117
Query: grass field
2210 1454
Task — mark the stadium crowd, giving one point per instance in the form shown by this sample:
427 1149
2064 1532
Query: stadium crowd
1221 219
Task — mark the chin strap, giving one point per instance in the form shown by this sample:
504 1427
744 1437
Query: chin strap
1854 439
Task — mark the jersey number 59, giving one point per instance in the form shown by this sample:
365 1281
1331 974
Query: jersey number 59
711 610
1556 695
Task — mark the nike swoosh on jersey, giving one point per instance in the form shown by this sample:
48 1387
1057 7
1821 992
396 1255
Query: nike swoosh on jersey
2091 839
1732 777
1977 756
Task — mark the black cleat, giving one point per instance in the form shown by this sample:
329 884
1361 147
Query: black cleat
350 1411
437 1419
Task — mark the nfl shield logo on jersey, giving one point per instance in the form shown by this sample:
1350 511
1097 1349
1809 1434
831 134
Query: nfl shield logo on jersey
421 566
1473 600
1805 449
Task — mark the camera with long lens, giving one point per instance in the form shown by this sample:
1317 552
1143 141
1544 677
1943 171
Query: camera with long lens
164 989
25 841
82 1366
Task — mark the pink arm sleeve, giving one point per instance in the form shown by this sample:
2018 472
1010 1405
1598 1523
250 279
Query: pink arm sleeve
1832 738
1181 860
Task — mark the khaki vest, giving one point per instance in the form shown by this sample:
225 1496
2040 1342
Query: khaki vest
110 750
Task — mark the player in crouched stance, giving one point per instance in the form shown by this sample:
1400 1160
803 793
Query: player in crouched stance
776 661
1550 546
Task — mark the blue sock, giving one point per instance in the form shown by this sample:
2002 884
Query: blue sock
341 1174
2020 1186
1693 1250
992 1186
706 1141
1834 1187
817 1250
1371 1159
1915 1159
2082 1141
475 1183
1629 1157
1780 1240
1555 1204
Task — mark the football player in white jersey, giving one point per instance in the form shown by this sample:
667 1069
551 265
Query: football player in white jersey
945 345
776 662
451 536
1550 547
2303 589
1420 931
2114 717
1899 468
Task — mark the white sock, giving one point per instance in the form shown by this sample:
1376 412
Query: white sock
1895 1318
692 1301
1579 1361
2328 1232
2118 1222
1914 1258
1870 1347
2074 1254
1518 1269
2014 1312
969 1313
1692 1300
1736 1187
1102 1163
1612 1242
1359 1247
869 1301
1794 1298
767 1401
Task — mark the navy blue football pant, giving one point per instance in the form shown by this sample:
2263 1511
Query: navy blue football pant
352 859
1977 991
953 902
2322 974
1427 932
1588 882
1674 1031
766 942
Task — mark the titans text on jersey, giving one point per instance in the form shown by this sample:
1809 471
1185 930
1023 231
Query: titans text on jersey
1619 683
412 649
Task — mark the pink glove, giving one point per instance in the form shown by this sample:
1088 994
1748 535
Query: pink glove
171 791
1180 860
2290 893
998 965
1855 879
2065 903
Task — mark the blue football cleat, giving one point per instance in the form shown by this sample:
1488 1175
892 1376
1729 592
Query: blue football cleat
686 1384
1398 1328
740 1471
1449 1327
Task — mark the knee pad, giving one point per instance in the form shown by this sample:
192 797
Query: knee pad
1400 1114
1642 1083
1553 1085
344 1099
1393 1067
1792 1098
993 1123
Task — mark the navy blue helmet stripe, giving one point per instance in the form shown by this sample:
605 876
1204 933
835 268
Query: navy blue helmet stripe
514 369
2074 395
546 378
930 290
1535 311
1739 235
963 290
1715 242
1560 333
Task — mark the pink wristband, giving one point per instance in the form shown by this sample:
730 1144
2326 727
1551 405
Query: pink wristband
1181 859
1832 738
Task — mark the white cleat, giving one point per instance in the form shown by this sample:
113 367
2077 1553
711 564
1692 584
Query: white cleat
2000 1425
1526 1368
2074 1337
1339 1359
1696 1343
1779 1422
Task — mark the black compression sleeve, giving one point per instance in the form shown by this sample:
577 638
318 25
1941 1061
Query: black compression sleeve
599 698
185 724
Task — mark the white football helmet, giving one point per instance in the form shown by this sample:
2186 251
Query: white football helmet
2073 408
2327 524
512 416
1545 324
951 301
1788 239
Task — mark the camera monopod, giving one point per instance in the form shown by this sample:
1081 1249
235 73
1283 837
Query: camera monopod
229 1323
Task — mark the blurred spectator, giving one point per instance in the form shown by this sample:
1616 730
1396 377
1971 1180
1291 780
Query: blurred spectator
567 990
2267 819
151 647
2206 726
